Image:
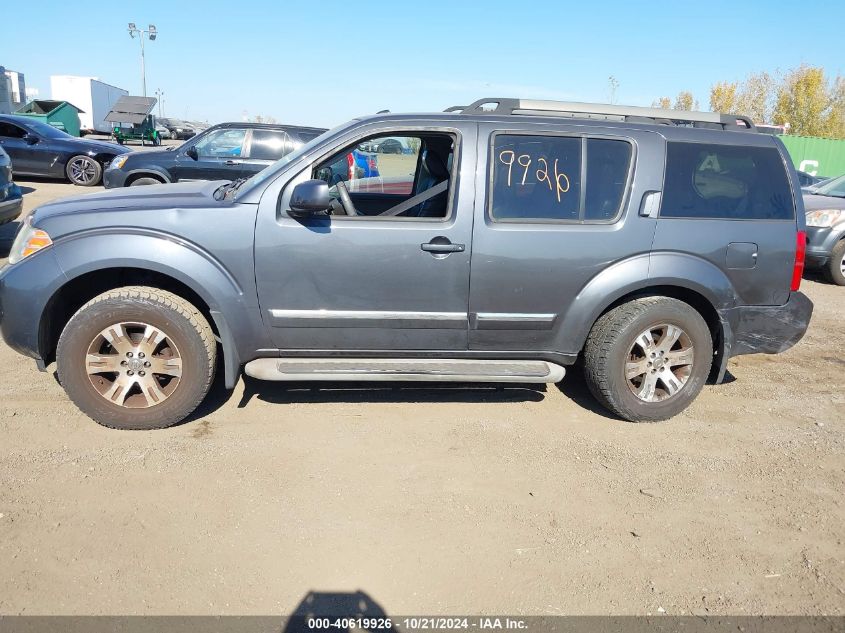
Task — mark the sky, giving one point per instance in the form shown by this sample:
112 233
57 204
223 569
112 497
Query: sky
323 62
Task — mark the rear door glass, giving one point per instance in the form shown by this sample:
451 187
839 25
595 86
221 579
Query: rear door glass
725 182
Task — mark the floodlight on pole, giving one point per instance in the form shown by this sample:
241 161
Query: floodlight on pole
150 33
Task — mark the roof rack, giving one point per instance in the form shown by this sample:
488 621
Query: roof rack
607 112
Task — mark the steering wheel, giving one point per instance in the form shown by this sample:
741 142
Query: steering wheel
345 200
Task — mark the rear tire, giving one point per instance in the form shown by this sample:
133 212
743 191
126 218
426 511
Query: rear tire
835 269
648 359
137 358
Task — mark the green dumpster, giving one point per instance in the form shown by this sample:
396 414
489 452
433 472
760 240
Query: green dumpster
60 114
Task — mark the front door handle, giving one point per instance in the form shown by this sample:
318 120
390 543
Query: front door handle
442 247
233 162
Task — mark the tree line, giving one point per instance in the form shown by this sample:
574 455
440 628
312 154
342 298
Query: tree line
804 100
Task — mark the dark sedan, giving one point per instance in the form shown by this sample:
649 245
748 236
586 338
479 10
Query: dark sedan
38 149
226 151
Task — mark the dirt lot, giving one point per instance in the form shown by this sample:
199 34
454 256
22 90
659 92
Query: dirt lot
458 500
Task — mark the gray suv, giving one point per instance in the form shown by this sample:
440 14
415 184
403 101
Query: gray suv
508 240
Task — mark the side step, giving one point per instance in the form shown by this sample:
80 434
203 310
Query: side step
423 369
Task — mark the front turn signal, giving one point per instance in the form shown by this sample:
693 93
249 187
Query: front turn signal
28 241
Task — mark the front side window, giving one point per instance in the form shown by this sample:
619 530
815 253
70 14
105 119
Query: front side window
392 176
558 178
9 130
224 143
725 182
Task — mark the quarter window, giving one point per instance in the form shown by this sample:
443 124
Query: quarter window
558 178
725 182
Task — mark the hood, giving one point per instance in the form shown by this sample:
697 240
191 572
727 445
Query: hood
187 195
814 202
153 156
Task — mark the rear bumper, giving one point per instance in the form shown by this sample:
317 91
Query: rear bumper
767 329
11 203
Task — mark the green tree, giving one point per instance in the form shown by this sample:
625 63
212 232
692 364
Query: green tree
756 97
723 97
809 103
685 101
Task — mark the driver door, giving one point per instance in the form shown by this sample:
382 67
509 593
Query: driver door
370 282
219 156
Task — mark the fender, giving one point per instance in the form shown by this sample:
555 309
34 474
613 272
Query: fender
233 308
147 171
639 273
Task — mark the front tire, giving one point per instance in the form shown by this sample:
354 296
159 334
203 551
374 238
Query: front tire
648 359
137 358
835 269
145 181
84 171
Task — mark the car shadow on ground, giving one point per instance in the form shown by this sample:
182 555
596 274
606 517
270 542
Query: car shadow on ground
366 392
348 611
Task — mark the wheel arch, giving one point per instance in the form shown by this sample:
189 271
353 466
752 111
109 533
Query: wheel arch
186 272
144 172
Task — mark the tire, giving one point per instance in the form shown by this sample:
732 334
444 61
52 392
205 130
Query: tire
103 369
145 181
835 269
84 171
616 352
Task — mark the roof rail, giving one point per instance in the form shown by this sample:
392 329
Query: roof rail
606 112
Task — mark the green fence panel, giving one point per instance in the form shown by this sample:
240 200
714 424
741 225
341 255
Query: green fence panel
817 156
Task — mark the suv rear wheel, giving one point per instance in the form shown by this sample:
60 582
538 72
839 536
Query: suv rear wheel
137 358
648 359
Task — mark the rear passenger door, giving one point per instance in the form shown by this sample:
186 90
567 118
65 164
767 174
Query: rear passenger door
265 147
554 210
732 205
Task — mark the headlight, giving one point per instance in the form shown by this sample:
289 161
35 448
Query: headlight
825 217
28 241
118 161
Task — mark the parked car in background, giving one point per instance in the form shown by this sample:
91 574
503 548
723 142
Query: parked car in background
38 149
812 188
178 129
163 132
808 180
227 151
10 194
825 210
520 244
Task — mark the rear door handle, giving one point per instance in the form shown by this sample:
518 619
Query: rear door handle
233 162
434 247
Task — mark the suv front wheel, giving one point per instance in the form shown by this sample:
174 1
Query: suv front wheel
647 359
137 358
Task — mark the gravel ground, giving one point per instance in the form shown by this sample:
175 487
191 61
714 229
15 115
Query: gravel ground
433 500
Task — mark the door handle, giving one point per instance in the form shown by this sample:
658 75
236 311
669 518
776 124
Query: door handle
233 162
441 247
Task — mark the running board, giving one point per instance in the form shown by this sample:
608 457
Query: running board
424 369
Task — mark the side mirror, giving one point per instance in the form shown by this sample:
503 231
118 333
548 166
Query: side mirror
192 152
30 139
309 198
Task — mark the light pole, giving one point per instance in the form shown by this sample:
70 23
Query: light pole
150 33
160 96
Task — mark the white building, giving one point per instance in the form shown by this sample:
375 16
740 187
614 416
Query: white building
12 91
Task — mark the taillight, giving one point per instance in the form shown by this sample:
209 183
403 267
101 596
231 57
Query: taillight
350 163
800 253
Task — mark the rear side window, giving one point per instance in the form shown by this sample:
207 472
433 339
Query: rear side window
269 145
558 178
725 182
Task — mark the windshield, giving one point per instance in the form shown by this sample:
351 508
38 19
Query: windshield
47 131
835 187
270 170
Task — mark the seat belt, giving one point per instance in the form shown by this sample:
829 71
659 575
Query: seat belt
410 203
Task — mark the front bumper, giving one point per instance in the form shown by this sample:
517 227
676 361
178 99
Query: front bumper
25 290
114 178
820 241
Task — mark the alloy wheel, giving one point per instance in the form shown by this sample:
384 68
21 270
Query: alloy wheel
134 365
659 362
